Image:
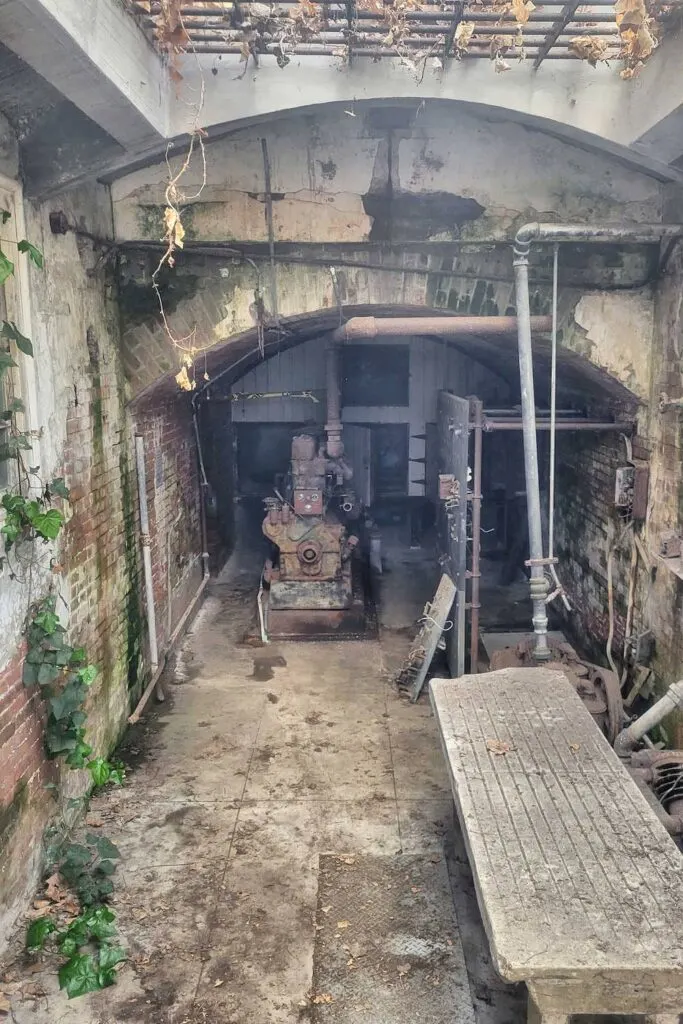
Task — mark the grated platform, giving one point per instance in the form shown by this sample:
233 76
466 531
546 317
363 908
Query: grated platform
387 947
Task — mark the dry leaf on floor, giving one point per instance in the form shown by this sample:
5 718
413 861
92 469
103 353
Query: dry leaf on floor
326 909
218 983
403 970
347 860
499 747
575 747
324 997
5 1006
343 924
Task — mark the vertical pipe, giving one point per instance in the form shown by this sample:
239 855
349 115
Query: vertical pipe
333 427
271 229
146 551
538 583
553 411
477 409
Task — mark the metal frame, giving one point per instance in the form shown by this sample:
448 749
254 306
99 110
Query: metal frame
546 36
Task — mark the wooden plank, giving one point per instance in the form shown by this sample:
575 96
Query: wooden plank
434 619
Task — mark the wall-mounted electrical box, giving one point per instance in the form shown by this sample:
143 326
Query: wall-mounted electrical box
631 489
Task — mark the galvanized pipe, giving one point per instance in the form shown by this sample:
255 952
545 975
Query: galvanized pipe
146 552
538 232
333 426
629 739
477 409
569 424
440 326
538 583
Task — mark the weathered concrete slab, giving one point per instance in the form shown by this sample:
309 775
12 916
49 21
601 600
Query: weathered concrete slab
387 944
576 877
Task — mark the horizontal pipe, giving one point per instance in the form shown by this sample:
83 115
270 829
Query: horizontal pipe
273 50
568 424
335 33
403 326
218 20
535 232
629 738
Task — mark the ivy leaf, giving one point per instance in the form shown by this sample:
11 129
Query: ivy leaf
107 867
59 488
47 620
15 406
34 254
79 975
88 675
78 656
11 331
104 847
47 674
5 215
80 753
6 268
77 856
38 932
48 524
100 923
110 956
68 702
29 674
99 771
6 361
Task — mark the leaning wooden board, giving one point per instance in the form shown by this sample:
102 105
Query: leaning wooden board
434 620
579 884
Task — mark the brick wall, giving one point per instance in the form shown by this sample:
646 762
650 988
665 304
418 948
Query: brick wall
173 499
587 524
87 433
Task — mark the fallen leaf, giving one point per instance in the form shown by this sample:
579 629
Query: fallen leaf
54 888
575 747
463 35
347 860
5 1005
499 747
324 997
326 909
218 983
403 969
589 48
343 924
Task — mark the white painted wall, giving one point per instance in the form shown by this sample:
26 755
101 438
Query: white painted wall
432 366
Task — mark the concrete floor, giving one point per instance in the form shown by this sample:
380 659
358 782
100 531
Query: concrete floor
263 764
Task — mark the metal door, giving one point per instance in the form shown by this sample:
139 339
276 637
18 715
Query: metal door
453 442
357 447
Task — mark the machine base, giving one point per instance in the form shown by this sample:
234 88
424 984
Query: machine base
356 622
311 595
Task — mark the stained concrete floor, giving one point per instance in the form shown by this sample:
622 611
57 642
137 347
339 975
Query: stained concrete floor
263 764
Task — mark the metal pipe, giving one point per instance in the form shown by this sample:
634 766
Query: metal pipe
628 739
477 409
137 713
446 326
333 427
538 583
596 425
146 552
539 232
553 407
535 232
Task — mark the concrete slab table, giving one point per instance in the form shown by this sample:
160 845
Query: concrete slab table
579 885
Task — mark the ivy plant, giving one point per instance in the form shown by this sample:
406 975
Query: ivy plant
64 675
89 944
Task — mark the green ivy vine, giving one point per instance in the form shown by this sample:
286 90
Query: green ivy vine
29 514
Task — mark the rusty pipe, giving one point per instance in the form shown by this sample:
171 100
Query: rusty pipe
333 427
446 326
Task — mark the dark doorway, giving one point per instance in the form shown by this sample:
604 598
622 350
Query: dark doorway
390 459
264 451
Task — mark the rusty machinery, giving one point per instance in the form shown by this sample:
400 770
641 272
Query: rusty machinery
316 526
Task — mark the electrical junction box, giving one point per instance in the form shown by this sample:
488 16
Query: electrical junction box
631 487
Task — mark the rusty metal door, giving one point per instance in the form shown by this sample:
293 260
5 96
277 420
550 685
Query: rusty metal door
453 416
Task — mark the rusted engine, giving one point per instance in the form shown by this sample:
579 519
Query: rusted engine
312 567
